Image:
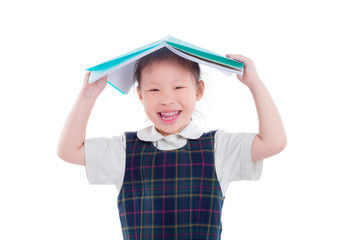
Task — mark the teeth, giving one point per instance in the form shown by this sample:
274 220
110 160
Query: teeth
169 118
170 115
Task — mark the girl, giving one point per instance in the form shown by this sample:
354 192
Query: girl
172 177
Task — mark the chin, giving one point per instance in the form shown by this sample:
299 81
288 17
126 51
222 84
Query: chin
166 132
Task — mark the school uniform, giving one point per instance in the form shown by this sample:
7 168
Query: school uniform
171 187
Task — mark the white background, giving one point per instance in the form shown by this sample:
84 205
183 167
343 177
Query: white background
306 52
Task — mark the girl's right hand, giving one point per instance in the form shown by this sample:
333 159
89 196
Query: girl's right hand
93 89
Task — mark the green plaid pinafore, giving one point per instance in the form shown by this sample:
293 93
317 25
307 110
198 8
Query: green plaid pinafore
173 194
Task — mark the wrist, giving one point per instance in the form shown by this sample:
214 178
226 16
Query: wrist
254 83
88 93
87 98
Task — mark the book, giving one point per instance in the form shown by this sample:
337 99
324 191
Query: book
120 70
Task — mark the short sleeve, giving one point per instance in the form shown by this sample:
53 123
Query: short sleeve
233 157
105 160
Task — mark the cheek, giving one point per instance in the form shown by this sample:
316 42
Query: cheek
149 103
190 101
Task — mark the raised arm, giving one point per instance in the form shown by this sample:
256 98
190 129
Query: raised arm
271 138
71 144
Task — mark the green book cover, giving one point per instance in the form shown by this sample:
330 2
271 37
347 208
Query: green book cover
203 53
120 70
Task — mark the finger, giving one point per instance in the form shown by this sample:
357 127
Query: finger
86 77
104 78
101 81
238 57
87 74
235 56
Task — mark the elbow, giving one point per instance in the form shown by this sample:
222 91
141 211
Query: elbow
272 149
280 145
62 154
265 149
276 147
75 157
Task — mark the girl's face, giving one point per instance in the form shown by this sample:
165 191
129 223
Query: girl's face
169 93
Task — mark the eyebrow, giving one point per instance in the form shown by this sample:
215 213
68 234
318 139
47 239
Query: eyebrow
156 83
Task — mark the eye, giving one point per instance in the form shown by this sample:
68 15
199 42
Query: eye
154 90
179 87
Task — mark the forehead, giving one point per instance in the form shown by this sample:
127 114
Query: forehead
165 71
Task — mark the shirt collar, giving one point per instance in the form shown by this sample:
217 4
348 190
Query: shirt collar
150 134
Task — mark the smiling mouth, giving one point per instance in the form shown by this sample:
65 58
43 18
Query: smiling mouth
167 116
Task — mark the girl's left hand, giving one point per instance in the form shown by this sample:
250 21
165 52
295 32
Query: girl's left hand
249 75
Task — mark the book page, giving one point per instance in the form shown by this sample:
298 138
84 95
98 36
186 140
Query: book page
222 68
123 61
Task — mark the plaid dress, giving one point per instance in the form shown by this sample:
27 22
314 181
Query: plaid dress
172 194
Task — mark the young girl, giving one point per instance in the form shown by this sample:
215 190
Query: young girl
172 177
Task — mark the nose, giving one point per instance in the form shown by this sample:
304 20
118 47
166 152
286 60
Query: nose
167 98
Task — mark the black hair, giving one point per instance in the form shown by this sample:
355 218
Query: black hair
164 54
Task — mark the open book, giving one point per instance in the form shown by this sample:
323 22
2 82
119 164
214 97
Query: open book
120 70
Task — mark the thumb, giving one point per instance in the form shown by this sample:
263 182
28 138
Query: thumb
101 83
86 77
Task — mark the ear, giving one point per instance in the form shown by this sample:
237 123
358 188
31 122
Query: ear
200 90
139 94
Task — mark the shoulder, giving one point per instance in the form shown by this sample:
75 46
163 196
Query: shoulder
130 135
100 144
206 137
209 134
228 141
221 135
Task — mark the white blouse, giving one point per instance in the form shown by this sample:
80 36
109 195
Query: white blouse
106 157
